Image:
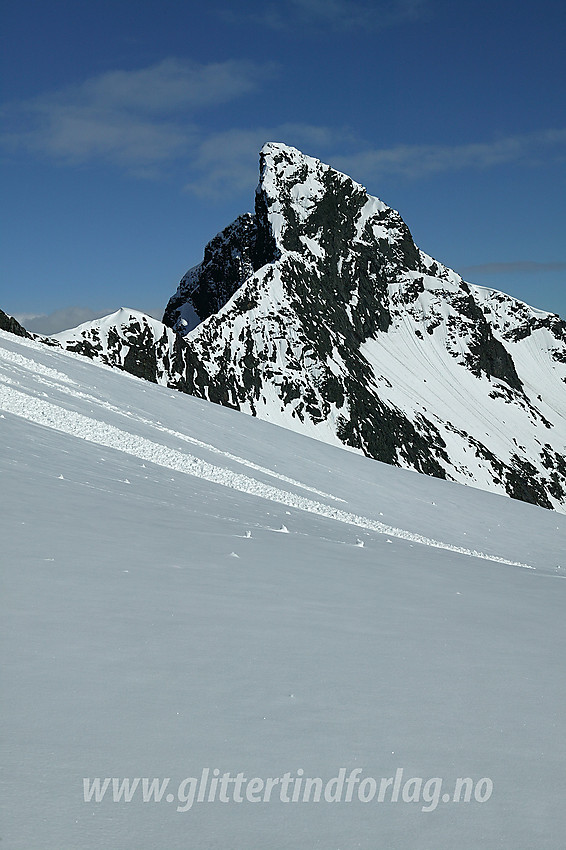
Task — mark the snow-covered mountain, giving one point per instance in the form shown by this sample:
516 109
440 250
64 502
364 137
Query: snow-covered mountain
185 588
134 342
320 314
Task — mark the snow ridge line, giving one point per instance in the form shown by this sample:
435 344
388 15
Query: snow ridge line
100 433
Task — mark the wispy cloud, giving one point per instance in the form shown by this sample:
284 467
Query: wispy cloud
151 118
331 14
515 267
59 320
422 160
355 13
133 118
171 84
227 162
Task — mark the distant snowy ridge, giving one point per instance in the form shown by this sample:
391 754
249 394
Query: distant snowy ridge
130 340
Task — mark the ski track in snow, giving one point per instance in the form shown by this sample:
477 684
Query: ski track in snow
75 424
66 385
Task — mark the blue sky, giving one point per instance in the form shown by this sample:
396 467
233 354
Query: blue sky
131 133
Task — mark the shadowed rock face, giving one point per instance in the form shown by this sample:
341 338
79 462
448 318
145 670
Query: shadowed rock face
9 324
318 312
229 260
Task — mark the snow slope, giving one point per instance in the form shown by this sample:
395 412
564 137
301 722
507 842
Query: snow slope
186 587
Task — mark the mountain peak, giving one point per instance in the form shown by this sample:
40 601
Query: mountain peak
319 312
302 196
292 165
130 340
283 162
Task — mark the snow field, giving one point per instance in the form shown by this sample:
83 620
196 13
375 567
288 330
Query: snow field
134 643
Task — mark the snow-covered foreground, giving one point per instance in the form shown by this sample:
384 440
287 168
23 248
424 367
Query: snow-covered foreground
185 588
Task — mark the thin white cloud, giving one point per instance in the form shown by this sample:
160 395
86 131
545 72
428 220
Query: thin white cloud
331 14
514 267
171 84
422 160
59 320
148 119
133 118
227 162
375 14
83 133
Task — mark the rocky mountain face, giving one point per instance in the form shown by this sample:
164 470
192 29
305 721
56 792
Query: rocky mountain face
134 342
229 260
10 325
319 313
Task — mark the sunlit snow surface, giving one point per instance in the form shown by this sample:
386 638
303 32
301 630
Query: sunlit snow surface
136 645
